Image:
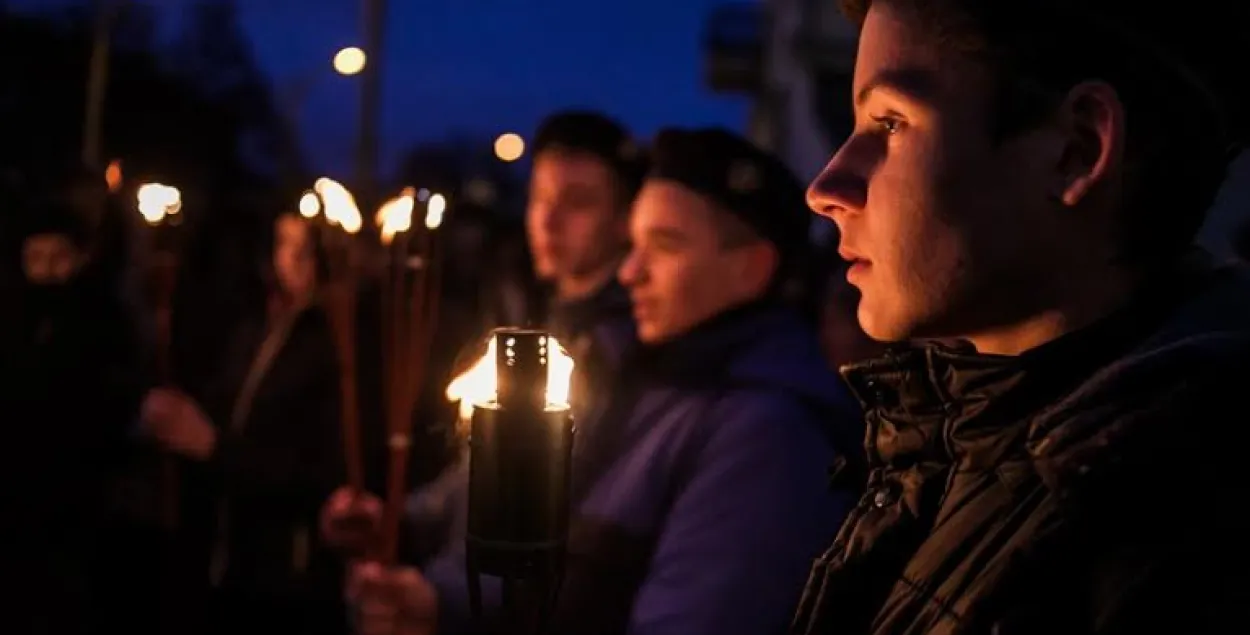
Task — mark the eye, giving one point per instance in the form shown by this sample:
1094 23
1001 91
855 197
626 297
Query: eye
889 124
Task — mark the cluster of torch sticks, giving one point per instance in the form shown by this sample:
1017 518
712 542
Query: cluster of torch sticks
409 308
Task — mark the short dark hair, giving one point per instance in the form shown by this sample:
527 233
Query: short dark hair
1182 135
595 134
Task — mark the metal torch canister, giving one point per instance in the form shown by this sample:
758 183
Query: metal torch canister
520 451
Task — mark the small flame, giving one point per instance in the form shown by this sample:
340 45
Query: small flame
156 201
479 384
395 215
113 175
340 205
309 205
434 211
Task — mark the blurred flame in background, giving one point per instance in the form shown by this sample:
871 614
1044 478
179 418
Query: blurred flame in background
434 210
339 205
309 205
156 201
395 215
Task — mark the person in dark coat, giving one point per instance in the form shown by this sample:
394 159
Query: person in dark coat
268 445
71 379
1060 448
699 489
587 171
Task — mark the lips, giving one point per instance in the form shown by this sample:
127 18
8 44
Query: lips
858 265
852 256
642 308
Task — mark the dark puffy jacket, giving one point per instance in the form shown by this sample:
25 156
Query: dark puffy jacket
1092 485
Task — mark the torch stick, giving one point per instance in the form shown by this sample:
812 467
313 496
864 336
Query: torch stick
339 208
158 204
342 305
435 281
166 273
413 306
397 335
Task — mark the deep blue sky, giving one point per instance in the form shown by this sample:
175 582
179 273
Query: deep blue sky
491 66
487 66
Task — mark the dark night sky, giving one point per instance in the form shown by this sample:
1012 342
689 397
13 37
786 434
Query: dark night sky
487 66
491 66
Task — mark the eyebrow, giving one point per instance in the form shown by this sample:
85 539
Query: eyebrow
916 84
666 233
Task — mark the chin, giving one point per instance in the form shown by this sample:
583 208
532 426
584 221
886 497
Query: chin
544 272
652 334
881 324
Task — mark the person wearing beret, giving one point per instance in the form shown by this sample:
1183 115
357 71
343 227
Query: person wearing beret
701 492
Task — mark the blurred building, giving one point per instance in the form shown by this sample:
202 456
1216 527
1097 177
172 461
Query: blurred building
794 58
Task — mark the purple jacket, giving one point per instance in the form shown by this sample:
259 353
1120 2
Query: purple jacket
701 487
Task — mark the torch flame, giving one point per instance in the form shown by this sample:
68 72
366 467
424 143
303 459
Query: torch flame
339 204
156 201
479 384
309 205
434 211
395 215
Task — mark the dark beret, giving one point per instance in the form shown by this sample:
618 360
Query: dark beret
748 182
597 135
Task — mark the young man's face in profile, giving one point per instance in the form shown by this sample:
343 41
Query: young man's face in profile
938 219
575 222
679 272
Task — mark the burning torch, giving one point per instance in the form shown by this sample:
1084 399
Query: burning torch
160 204
520 448
340 210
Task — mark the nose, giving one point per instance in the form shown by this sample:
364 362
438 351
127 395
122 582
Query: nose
840 189
631 272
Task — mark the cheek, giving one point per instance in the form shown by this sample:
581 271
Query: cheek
915 228
590 231
287 265
691 290
533 224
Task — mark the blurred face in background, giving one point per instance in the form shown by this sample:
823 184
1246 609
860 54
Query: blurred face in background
690 261
294 257
576 222
49 259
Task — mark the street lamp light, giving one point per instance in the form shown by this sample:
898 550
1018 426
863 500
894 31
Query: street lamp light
349 61
509 147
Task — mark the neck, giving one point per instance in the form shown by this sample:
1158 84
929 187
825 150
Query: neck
574 288
1081 300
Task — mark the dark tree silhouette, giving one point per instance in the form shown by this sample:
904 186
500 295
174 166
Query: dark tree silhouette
196 114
